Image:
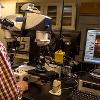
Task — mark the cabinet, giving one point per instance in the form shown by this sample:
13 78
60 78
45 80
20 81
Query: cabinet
54 10
69 16
89 8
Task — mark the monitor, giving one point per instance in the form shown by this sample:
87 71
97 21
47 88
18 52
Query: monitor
92 46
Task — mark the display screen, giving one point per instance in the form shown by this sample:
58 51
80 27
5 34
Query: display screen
92 46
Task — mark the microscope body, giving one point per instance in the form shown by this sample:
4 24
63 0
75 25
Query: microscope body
35 26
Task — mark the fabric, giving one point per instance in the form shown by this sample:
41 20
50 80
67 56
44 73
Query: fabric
8 86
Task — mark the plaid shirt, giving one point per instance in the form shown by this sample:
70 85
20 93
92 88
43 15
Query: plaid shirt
8 86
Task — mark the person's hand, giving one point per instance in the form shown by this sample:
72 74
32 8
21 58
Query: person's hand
23 85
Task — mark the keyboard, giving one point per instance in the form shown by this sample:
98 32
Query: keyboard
78 95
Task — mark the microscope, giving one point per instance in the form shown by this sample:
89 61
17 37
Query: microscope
33 25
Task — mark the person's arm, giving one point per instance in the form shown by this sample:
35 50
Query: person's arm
9 89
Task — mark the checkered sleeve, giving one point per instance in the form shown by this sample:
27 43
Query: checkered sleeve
8 86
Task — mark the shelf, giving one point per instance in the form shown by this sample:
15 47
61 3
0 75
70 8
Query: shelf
67 21
68 8
66 16
52 7
53 16
52 11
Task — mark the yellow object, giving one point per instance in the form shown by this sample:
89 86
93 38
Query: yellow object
59 56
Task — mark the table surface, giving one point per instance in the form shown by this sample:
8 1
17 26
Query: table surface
38 92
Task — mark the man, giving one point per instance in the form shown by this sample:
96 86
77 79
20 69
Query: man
9 88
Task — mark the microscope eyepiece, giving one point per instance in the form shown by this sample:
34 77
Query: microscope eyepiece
6 22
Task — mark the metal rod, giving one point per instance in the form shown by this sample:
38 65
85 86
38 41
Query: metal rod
62 19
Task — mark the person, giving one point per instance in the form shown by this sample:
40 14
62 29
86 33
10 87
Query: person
9 88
